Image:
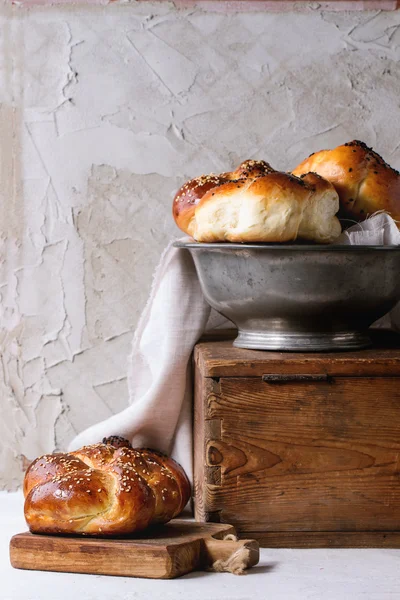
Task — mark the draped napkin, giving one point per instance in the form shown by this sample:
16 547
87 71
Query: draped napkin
175 317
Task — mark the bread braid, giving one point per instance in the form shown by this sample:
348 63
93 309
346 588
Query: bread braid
104 489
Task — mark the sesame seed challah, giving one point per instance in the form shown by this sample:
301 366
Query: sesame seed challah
255 203
364 181
104 489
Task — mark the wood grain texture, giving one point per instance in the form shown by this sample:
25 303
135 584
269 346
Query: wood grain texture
222 359
303 457
163 553
204 429
316 456
328 539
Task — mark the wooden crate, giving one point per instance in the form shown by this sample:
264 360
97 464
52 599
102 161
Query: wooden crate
299 450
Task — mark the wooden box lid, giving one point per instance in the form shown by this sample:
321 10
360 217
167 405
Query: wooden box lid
219 358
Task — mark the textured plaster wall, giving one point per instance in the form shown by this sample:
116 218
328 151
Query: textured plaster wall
104 112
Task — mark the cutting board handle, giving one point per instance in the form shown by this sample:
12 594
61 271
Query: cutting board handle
231 555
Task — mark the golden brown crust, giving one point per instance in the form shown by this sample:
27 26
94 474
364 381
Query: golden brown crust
251 169
267 187
103 490
190 194
175 471
188 197
254 203
364 181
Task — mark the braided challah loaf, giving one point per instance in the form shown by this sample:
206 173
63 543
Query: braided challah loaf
364 182
255 203
104 489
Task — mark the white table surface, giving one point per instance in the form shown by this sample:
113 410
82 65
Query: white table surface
282 574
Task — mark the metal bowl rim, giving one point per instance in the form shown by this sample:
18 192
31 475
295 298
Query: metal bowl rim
272 246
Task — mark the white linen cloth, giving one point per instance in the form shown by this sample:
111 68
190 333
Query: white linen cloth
379 230
175 317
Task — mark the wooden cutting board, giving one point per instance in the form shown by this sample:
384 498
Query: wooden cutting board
164 552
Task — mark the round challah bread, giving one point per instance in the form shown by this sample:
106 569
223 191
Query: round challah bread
257 204
190 194
104 489
364 182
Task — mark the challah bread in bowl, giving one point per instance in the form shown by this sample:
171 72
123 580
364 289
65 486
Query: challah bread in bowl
264 244
257 204
364 181
104 489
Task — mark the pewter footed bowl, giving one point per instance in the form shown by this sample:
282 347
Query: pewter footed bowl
299 297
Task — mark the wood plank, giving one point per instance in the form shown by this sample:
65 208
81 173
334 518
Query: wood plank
203 429
314 456
102 557
160 553
328 539
199 465
222 359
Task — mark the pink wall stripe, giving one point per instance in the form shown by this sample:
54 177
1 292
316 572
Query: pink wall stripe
237 5
57 2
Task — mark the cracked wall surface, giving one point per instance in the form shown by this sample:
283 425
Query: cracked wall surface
104 112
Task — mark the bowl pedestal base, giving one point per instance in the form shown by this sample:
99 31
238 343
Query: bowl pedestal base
302 341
